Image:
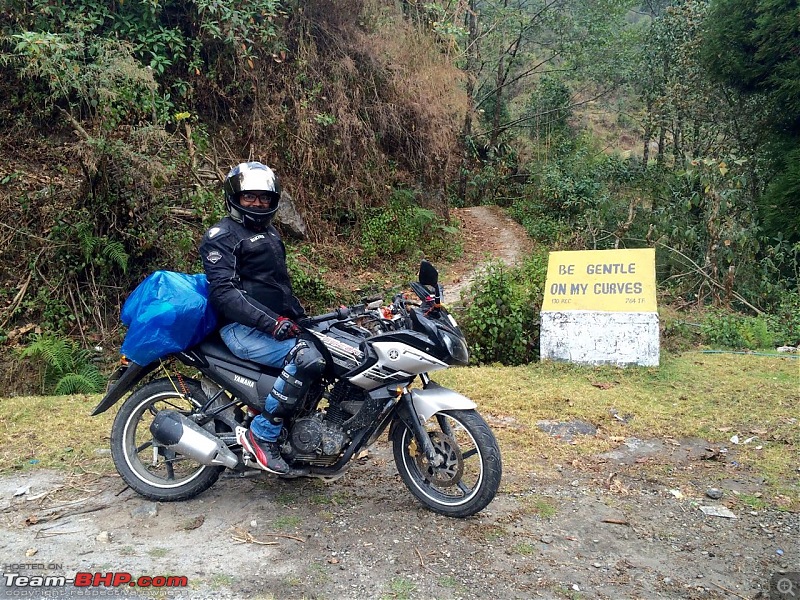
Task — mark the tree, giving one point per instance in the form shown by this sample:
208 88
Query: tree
751 46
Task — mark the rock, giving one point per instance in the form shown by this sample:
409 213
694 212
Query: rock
714 493
289 218
566 431
104 537
148 509
546 539
718 511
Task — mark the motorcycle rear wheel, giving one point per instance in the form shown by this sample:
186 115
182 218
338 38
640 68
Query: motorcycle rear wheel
151 470
469 477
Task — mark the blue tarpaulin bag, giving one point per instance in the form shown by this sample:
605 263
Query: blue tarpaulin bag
166 313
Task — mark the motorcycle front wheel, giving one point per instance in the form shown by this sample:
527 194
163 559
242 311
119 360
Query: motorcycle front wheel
147 467
469 475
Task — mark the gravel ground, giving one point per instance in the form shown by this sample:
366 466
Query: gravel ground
604 531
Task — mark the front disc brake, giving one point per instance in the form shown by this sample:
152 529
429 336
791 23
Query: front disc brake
450 471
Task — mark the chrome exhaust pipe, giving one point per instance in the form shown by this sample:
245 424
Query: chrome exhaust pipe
179 434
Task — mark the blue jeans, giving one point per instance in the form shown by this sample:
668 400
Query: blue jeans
251 344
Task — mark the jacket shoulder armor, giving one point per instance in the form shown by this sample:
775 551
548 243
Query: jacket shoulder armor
219 230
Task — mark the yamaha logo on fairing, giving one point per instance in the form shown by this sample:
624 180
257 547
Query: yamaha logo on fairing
243 381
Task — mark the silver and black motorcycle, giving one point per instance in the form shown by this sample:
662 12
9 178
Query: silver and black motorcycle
175 434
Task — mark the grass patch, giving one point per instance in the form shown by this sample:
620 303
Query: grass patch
400 589
287 522
709 396
54 432
537 505
221 581
525 549
754 502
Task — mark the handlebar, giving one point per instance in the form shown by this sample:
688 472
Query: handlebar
341 313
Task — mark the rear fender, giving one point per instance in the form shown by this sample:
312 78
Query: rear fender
132 375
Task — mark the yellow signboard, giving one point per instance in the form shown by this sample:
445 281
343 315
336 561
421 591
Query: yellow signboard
601 280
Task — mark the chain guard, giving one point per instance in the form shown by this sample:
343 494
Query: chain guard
449 473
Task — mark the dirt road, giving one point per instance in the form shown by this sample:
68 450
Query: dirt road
600 532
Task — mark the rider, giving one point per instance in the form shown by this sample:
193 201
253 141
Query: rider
245 264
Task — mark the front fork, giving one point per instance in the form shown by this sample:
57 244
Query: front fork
409 416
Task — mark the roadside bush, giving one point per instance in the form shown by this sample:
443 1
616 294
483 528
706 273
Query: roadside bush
501 320
316 295
66 367
404 227
784 321
733 330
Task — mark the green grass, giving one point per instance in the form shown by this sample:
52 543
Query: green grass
537 505
708 396
54 432
400 589
287 522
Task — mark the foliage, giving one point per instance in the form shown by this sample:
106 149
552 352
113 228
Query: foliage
99 76
731 330
308 284
405 228
784 319
501 317
751 47
68 369
549 110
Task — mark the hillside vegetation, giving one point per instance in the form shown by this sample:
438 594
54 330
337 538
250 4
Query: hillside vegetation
597 124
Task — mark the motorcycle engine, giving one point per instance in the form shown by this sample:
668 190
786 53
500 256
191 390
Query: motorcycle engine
313 435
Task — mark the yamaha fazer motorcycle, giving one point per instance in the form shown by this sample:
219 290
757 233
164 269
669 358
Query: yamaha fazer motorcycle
175 434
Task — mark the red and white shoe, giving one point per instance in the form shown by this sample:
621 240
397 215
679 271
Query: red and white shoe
266 454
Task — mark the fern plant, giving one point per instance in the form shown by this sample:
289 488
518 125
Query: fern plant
67 367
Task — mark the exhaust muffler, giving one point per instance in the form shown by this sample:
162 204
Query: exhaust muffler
182 435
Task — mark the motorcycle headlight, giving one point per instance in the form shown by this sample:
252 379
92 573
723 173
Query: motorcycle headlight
456 347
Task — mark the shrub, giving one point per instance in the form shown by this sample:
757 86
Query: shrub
501 320
733 330
308 285
67 368
784 321
404 227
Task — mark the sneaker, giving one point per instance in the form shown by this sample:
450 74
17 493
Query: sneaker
267 454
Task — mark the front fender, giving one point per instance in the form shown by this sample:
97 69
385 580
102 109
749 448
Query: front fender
435 398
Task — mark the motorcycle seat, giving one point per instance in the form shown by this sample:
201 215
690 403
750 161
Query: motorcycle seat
214 346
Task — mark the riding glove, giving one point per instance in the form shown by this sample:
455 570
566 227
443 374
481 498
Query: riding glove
285 329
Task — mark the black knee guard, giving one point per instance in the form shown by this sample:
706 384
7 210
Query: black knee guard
308 360
309 364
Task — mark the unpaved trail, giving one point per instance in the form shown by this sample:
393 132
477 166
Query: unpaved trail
599 532
488 234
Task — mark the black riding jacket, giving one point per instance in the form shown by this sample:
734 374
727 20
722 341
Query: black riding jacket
247 276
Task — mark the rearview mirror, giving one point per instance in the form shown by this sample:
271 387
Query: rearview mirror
428 275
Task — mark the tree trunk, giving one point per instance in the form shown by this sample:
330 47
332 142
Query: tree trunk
466 134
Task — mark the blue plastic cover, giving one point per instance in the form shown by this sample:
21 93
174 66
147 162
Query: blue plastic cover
167 312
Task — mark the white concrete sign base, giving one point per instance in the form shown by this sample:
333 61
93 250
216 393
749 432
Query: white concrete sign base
600 338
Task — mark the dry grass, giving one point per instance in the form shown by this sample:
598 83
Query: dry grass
708 396
54 432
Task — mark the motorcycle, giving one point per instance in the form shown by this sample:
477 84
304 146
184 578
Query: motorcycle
175 434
